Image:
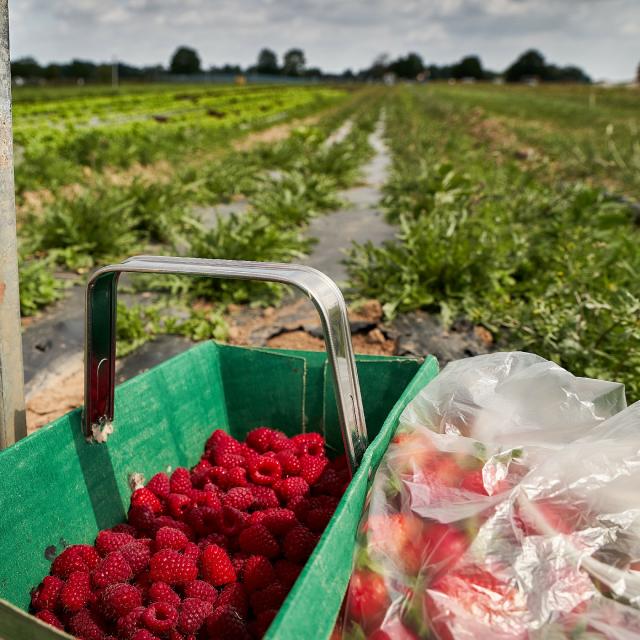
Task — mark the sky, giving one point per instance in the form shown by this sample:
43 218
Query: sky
601 36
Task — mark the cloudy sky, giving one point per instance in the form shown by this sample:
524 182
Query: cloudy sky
602 36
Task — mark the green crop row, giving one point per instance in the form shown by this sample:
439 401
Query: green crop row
548 266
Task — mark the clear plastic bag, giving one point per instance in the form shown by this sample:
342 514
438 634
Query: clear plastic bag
506 507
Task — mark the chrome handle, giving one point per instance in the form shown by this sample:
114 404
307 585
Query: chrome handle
100 334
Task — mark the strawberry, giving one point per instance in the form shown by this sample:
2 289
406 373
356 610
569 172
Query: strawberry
112 568
171 567
144 497
257 573
472 481
367 599
201 590
559 517
159 617
170 538
79 557
76 593
193 613
443 546
46 596
118 600
216 566
257 539
299 543
162 592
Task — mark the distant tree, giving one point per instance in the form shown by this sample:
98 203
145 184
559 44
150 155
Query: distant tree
468 67
185 61
529 65
26 68
80 69
565 74
267 62
638 74
379 67
408 67
294 62
348 74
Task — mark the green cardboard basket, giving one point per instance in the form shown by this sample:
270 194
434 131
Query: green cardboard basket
58 489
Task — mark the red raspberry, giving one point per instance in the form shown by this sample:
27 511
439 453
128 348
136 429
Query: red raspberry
178 504
168 521
280 442
226 622
291 487
162 592
300 506
213 538
201 590
160 485
309 443
317 519
159 617
142 518
228 460
170 538
240 498
124 528
264 470
143 581
257 573
265 497
180 481
108 541
79 557
50 618
298 544
220 439
206 498
260 439
119 599
46 596
236 477
261 624
192 552
193 613
171 567
137 554
230 521
113 568
219 476
311 467
287 572
289 463
217 567
234 595
278 520
84 625
129 623
200 473
76 593
144 497
270 597
257 539
144 634
331 482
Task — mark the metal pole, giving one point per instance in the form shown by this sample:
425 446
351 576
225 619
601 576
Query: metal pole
12 411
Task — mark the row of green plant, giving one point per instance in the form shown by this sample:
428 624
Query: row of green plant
547 267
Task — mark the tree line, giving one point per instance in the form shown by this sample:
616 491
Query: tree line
186 61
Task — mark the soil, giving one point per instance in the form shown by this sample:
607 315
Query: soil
272 134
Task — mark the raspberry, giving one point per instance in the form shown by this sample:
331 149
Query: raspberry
76 593
291 487
265 470
113 568
238 562
257 573
144 497
264 497
216 566
236 477
79 557
206 498
170 538
280 442
257 539
142 518
46 596
240 498
298 544
129 623
160 485
309 443
84 625
331 482
143 581
260 439
230 521
234 595
219 476
227 459
287 572
271 597
137 554
193 613
300 506
171 567
278 520
159 617
124 528
226 622
108 541
50 618
162 592
311 467
200 473
289 462
168 521
178 504
317 519
201 590
192 552
119 599
144 634
262 623
180 481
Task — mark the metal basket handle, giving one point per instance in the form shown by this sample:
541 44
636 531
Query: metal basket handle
100 334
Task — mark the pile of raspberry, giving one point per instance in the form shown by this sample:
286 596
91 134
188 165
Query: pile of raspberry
209 553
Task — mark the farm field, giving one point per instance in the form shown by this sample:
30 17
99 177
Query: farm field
515 209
